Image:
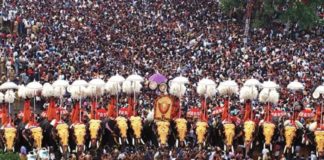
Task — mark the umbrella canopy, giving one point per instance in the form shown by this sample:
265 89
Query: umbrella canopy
180 80
278 113
35 86
218 110
79 83
60 83
158 78
295 86
97 82
306 113
8 85
116 79
318 91
269 84
135 78
252 82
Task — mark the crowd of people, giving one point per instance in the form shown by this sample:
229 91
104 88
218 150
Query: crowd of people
43 40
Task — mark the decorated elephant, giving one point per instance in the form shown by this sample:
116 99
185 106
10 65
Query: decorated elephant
136 124
123 127
290 133
37 134
79 131
94 128
319 139
181 126
163 132
9 134
268 132
201 130
249 129
62 132
229 130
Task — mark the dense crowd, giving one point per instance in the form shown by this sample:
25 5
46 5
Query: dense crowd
43 40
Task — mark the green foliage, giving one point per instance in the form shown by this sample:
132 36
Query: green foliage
9 156
228 5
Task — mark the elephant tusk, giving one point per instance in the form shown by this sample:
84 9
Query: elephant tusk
177 143
270 147
90 144
159 144
142 141
97 144
225 148
233 149
127 141
285 149
5 149
292 149
264 145
61 149
69 149
120 142
133 141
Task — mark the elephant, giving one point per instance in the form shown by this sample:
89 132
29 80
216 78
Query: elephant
62 132
163 132
319 139
268 132
229 130
9 135
37 135
136 124
181 126
94 128
290 133
201 130
79 131
249 129
123 127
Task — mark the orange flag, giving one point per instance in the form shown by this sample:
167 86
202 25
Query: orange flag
51 110
27 111
247 114
225 112
5 119
93 110
131 104
75 117
112 107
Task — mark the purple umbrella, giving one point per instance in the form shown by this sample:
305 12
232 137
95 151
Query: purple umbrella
158 78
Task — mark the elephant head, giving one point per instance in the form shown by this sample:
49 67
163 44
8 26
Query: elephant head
37 134
268 132
94 126
122 126
10 135
63 133
181 125
79 133
290 133
249 128
229 129
201 130
319 139
136 123
163 131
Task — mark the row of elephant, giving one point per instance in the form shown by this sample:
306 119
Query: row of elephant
96 134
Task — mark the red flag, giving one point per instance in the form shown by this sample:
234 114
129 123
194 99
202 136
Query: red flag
203 115
5 119
131 105
27 111
75 117
225 112
268 113
112 107
51 110
248 113
93 109
101 113
175 112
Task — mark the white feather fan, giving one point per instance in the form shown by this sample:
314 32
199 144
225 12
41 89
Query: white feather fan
22 92
248 93
127 87
77 92
312 127
177 89
59 91
113 88
318 91
206 87
270 84
264 95
273 96
228 87
48 90
252 82
295 86
1 97
9 96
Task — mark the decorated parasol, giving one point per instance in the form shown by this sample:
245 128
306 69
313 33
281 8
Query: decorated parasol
278 113
206 88
306 113
131 86
33 88
8 86
59 87
95 88
248 93
114 88
9 95
227 89
194 113
77 90
294 87
218 110
158 78
178 88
